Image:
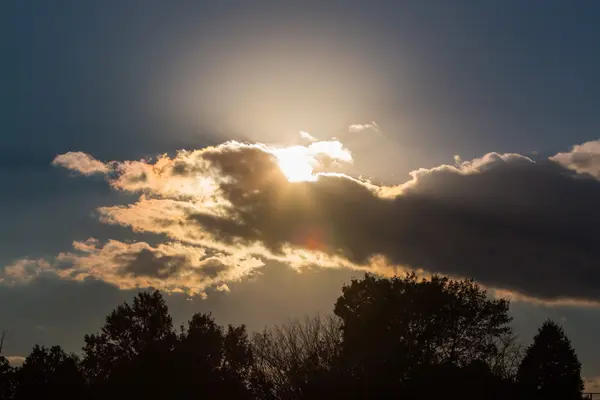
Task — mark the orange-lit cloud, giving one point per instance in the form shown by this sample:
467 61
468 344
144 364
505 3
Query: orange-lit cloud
172 267
521 226
81 162
15 360
592 385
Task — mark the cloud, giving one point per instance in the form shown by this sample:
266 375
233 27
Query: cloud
583 158
196 174
223 288
308 136
515 225
592 385
502 219
363 127
15 360
171 267
23 271
81 162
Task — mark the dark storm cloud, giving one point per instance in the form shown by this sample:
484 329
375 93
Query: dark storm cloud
505 220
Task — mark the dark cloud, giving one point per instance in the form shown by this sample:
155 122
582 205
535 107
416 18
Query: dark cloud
509 222
225 230
212 268
504 220
148 262
153 263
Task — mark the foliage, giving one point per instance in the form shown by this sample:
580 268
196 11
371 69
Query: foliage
6 379
392 326
402 337
550 368
49 372
129 332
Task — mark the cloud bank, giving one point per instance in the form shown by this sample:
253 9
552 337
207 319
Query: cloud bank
511 223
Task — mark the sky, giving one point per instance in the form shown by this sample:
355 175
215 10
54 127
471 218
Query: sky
249 157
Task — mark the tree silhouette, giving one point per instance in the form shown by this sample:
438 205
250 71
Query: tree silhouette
6 379
132 348
128 331
207 359
392 327
402 337
237 362
506 360
473 381
550 368
49 373
138 351
296 360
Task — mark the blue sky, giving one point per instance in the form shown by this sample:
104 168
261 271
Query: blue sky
125 81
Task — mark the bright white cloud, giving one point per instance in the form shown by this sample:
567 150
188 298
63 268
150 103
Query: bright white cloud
308 136
298 163
583 158
363 127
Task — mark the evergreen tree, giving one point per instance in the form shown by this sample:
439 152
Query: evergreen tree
550 368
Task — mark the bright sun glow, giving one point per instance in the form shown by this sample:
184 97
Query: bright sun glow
296 164
299 162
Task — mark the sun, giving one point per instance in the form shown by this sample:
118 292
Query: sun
298 163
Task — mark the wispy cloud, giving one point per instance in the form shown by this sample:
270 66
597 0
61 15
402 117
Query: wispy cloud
82 163
363 127
308 136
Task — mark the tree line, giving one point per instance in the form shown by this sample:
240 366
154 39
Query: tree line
397 338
